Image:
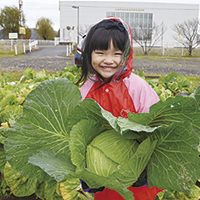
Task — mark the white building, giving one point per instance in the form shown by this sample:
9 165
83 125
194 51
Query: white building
81 14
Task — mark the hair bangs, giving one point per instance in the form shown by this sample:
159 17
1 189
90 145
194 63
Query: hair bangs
101 39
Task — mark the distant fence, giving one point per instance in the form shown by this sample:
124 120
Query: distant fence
13 45
22 46
46 42
31 44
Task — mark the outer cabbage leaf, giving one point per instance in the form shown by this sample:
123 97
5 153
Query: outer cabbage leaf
59 167
134 130
176 109
49 190
43 125
56 167
90 109
196 95
19 185
193 194
175 162
130 171
71 190
125 124
81 135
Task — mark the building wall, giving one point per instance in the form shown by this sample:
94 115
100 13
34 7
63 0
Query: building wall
92 11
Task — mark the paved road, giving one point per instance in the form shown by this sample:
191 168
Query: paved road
51 58
49 51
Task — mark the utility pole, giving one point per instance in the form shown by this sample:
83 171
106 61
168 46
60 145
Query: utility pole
163 49
77 7
21 24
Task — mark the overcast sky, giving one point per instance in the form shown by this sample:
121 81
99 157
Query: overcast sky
34 9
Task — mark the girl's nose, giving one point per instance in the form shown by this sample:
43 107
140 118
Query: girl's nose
108 60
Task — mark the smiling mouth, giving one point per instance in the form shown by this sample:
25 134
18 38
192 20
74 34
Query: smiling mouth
108 68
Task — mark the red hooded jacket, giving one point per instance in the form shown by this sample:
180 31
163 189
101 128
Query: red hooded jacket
125 93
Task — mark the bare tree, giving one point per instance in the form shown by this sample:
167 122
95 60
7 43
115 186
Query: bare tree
83 30
147 35
187 34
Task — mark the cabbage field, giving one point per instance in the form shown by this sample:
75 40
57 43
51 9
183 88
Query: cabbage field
49 139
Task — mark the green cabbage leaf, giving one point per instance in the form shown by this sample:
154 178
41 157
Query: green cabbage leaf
43 126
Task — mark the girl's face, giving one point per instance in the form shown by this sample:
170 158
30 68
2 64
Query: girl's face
106 62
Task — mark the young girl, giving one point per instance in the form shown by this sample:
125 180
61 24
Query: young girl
108 57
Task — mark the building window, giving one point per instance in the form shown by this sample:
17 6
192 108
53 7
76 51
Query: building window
141 23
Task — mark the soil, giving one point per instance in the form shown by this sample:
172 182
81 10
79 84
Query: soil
187 67
57 63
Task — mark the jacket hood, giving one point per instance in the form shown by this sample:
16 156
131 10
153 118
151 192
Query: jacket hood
128 53
127 66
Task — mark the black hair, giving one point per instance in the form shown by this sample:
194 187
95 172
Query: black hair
99 38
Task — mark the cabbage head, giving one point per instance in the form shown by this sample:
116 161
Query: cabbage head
108 151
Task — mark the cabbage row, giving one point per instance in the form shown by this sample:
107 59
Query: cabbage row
60 138
169 86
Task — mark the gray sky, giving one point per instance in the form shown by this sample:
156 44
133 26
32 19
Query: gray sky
34 9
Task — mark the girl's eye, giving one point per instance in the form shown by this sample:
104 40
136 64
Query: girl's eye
99 52
118 53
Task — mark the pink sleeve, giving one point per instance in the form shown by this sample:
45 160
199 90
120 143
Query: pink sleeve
141 93
86 88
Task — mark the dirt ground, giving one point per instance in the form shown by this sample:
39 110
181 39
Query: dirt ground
57 63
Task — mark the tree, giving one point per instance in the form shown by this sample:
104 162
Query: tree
83 30
147 35
28 33
9 20
187 34
44 29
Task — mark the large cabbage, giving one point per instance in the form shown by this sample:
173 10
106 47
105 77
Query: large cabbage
103 147
61 137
